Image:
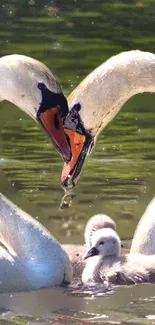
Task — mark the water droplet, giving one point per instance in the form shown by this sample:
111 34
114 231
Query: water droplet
31 2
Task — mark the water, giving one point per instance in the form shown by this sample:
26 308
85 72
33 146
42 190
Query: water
72 38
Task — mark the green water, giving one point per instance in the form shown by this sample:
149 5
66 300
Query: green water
72 38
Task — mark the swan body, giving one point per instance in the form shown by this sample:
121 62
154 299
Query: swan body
97 100
31 258
144 238
30 85
77 252
105 263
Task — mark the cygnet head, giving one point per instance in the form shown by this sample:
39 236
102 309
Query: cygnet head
95 223
105 242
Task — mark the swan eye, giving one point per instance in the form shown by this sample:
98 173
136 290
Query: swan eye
101 242
41 86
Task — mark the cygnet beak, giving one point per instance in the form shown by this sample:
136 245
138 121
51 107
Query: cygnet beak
92 252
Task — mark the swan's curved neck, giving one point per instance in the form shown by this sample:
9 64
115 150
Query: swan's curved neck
103 93
18 83
20 77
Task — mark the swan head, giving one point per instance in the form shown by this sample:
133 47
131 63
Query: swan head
97 100
81 143
105 242
50 115
30 85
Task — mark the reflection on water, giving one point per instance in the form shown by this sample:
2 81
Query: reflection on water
72 38
54 306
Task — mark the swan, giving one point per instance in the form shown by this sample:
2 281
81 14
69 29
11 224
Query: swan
144 237
76 252
96 101
30 257
106 265
30 85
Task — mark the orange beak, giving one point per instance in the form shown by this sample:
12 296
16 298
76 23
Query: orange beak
79 148
52 122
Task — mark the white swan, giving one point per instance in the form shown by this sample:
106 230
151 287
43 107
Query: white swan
98 98
76 252
30 85
112 267
144 238
31 258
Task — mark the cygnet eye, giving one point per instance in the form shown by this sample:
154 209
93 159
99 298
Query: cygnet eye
101 242
114 241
